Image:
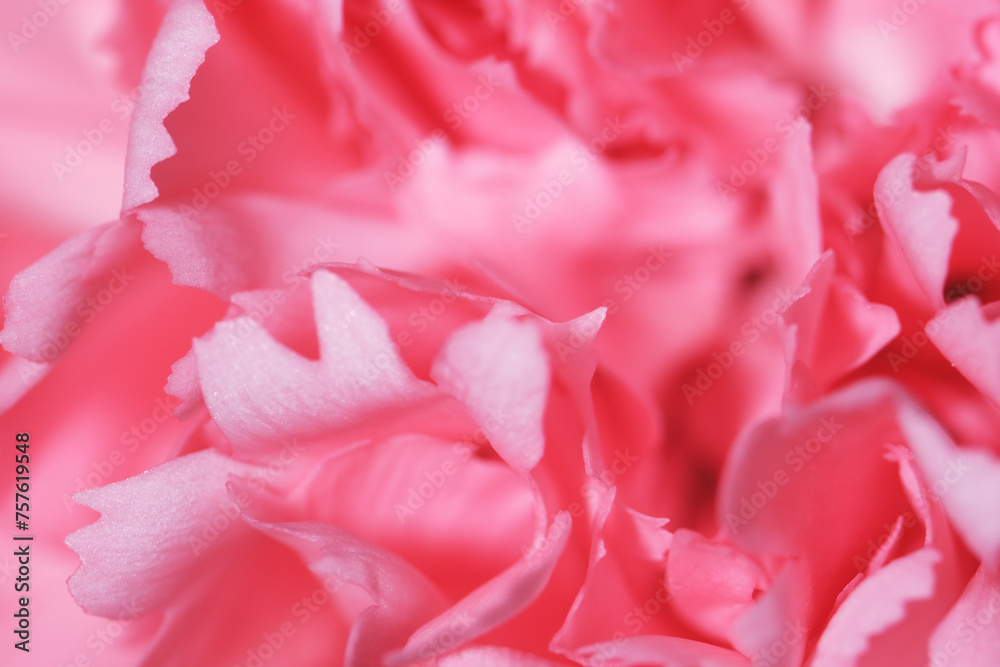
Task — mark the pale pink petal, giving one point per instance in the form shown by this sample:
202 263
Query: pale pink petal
46 301
966 480
60 126
184 384
776 630
920 222
232 244
878 603
970 634
967 334
187 31
500 372
260 391
145 547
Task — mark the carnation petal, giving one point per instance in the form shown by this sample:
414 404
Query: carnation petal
970 633
920 222
492 656
259 391
711 583
402 597
625 571
971 342
778 489
149 540
187 31
835 328
43 299
493 603
499 370
876 605
966 480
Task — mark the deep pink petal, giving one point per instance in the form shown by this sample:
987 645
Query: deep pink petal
264 604
831 327
625 592
401 597
498 600
712 583
457 516
781 493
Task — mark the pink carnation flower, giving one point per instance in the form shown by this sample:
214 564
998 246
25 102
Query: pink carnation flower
409 332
